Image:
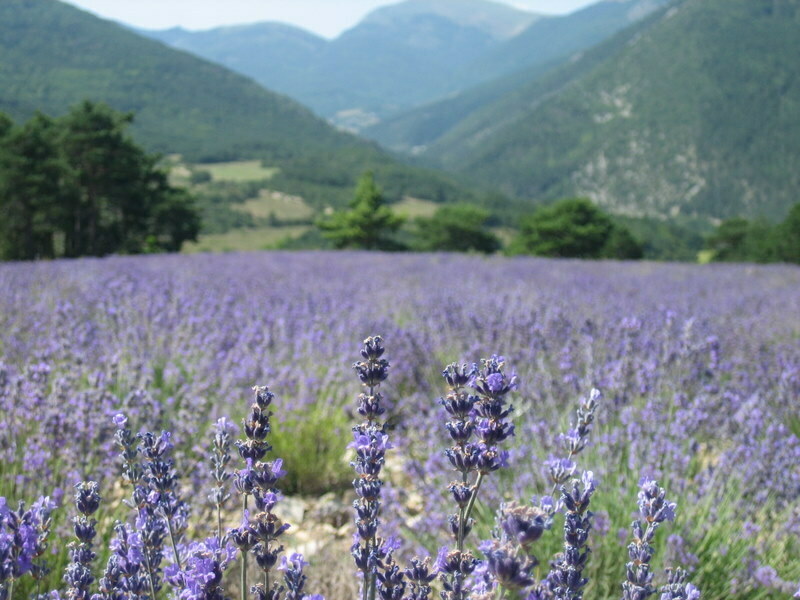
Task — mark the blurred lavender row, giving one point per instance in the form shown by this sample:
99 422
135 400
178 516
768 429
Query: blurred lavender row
699 369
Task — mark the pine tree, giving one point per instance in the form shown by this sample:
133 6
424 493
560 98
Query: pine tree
80 185
368 224
32 190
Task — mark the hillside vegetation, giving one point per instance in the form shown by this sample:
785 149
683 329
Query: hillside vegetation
53 56
508 68
694 111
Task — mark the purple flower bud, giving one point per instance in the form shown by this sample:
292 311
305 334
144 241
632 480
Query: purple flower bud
461 493
491 459
87 497
524 524
457 376
455 562
511 569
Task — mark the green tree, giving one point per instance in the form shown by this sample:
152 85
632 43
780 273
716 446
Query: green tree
122 196
456 228
788 237
32 191
728 241
740 240
368 224
6 123
574 228
622 245
79 185
174 220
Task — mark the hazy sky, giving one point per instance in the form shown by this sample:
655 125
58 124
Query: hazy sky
325 17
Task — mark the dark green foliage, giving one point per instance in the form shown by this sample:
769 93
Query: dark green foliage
574 228
33 193
731 239
673 239
621 244
79 186
174 220
788 244
740 240
368 224
456 228
6 123
199 176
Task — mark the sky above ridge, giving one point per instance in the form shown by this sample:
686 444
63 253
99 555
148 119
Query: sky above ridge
324 17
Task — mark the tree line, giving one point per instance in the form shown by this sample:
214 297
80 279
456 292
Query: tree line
78 185
567 228
570 228
742 240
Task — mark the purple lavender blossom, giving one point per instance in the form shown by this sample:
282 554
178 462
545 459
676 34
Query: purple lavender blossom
523 525
23 541
453 569
484 415
561 469
370 443
654 509
200 577
510 568
293 577
125 577
220 458
259 533
78 575
677 588
568 577
419 576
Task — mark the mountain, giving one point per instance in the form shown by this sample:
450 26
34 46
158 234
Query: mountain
515 63
53 55
397 57
500 21
694 111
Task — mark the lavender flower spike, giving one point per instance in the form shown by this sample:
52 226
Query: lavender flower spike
259 535
220 457
677 588
568 576
370 443
78 575
655 509
574 441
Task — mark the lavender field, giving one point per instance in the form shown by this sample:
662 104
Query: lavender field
697 368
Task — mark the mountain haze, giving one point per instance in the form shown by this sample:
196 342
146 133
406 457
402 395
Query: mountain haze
511 66
694 111
397 57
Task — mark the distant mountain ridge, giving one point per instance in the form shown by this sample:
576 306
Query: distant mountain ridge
509 68
694 111
498 20
398 56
